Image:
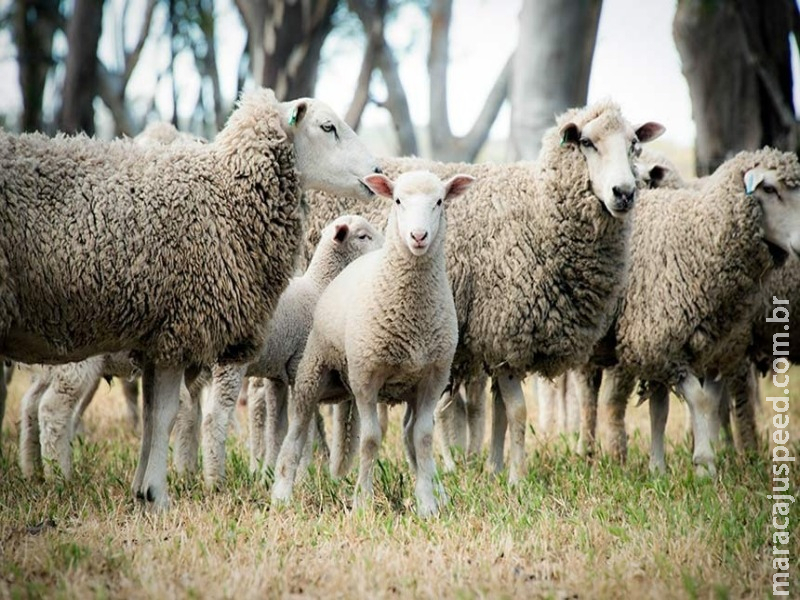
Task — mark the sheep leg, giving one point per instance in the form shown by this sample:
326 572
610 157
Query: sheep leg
443 419
130 389
85 400
545 400
743 388
585 383
408 436
517 414
366 396
703 402
614 396
276 397
659 411
257 419
311 376
187 430
429 490
162 388
499 425
345 437
383 418
559 386
322 441
475 408
225 386
308 448
70 384
30 451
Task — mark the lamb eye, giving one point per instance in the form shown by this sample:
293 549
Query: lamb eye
397 201
439 202
364 236
769 189
586 143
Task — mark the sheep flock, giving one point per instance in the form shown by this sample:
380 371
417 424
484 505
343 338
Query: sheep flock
175 260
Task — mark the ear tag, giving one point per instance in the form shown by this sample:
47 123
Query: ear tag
293 118
751 181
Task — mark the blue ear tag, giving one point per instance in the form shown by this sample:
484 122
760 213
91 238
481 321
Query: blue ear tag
751 181
293 118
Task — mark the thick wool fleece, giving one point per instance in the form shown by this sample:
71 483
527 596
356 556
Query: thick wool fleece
180 252
536 263
698 262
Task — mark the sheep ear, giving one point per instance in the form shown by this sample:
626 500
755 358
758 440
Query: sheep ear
340 233
457 185
570 134
379 184
657 174
649 131
298 112
752 179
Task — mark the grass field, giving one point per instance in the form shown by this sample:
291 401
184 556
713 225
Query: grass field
570 530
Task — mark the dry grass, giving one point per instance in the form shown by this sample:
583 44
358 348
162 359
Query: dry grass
569 530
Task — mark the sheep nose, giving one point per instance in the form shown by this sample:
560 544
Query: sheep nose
624 195
377 170
419 236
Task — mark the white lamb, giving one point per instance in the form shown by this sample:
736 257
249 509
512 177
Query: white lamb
387 324
342 241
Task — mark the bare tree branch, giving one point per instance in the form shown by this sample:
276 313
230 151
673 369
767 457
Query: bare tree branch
132 57
397 103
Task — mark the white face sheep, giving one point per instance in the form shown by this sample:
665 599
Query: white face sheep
387 321
780 201
217 229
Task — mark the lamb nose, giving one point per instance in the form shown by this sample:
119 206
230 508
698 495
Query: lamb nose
419 236
623 194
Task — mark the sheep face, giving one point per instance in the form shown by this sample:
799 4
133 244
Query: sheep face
781 206
353 236
329 155
610 148
418 211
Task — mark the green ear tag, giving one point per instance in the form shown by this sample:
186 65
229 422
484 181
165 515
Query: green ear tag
293 118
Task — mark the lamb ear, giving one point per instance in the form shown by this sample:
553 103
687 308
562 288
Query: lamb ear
340 233
457 185
752 179
649 131
570 134
380 184
298 112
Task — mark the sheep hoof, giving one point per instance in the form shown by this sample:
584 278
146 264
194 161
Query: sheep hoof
153 500
281 492
658 468
427 509
705 470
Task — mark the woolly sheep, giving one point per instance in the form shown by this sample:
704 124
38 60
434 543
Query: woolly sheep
698 259
343 240
217 230
536 254
386 323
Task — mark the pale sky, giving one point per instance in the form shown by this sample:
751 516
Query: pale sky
635 63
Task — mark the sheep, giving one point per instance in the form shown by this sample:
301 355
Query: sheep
387 323
537 254
217 227
699 258
343 240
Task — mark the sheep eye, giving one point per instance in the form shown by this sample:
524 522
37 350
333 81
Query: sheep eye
330 128
364 236
439 202
397 202
586 143
769 189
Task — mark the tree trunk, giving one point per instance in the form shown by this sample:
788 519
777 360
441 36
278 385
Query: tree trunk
286 38
35 22
745 72
81 79
552 67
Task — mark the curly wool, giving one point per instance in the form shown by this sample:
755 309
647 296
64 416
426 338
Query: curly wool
536 263
698 262
784 284
179 252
